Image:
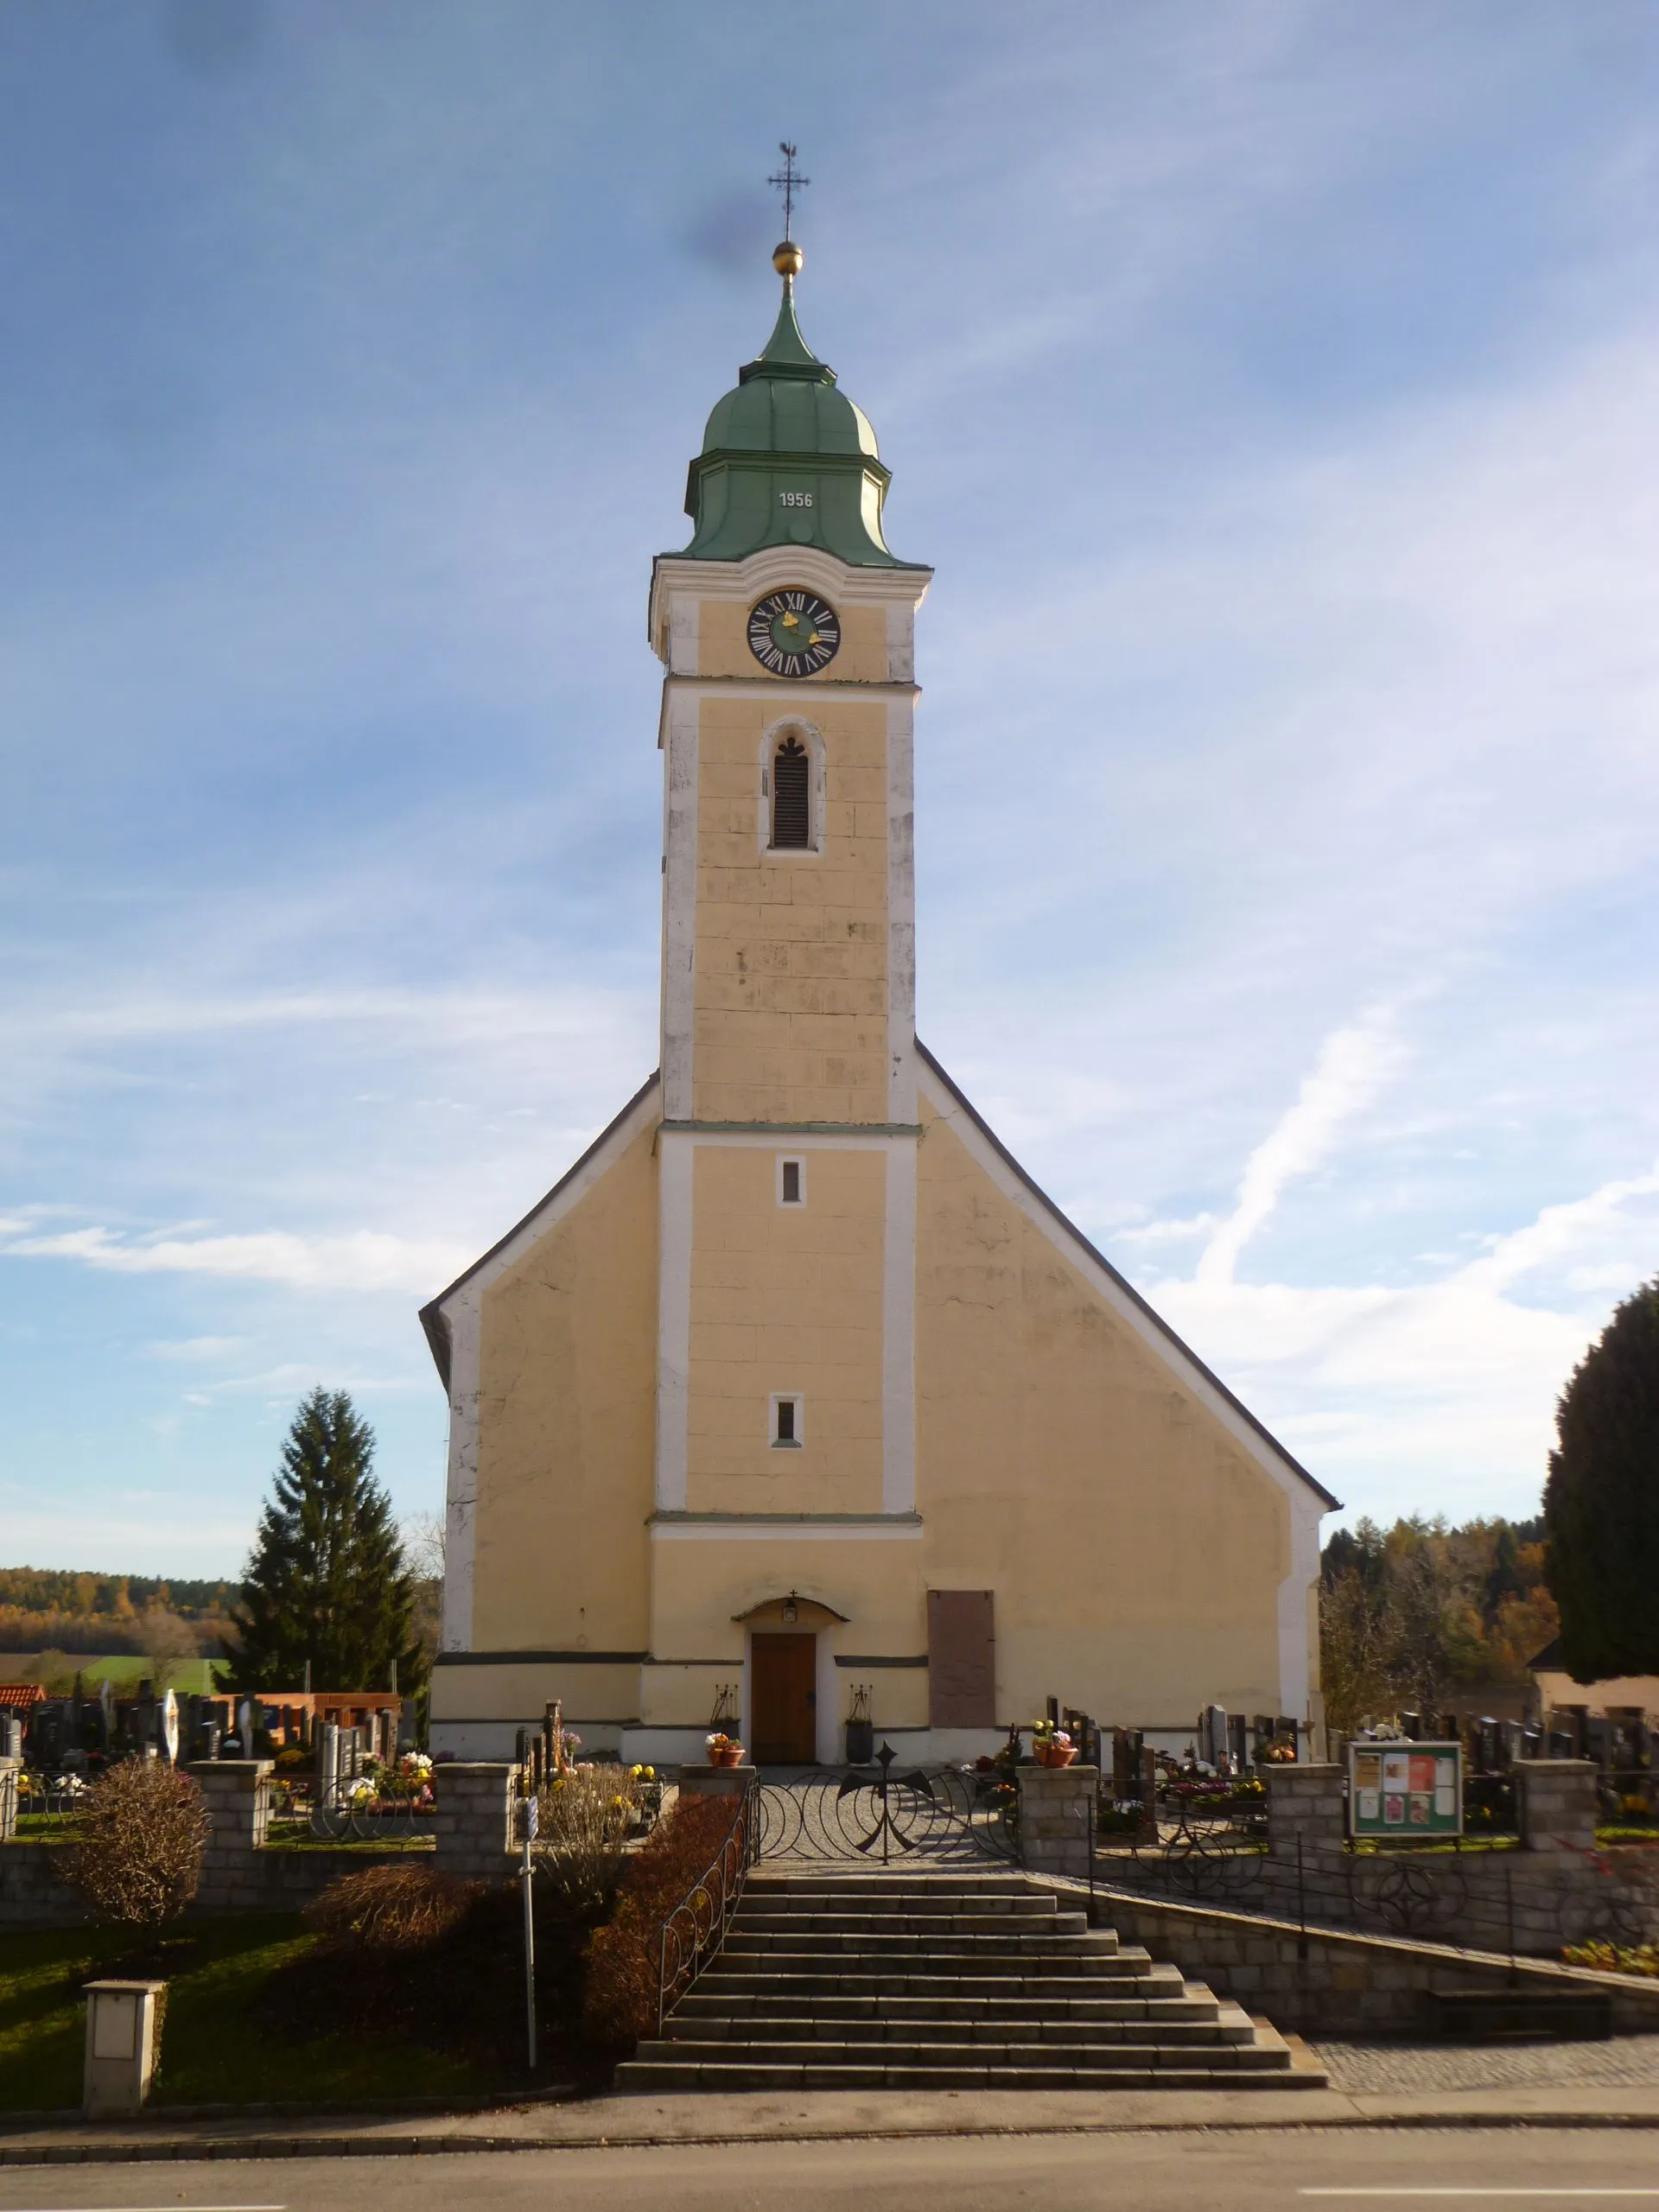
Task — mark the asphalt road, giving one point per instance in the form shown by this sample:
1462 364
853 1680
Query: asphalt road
1215 2170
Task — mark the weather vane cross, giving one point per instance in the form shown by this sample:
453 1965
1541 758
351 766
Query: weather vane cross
789 181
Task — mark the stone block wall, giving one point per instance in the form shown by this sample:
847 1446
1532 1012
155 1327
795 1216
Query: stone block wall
1305 1804
1333 1982
1056 1817
33 1892
703 1781
238 1793
473 1819
1557 1801
1557 1889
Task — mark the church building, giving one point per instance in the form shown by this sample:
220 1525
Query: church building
796 1389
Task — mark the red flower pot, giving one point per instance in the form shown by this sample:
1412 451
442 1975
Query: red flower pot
727 1755
1055 1754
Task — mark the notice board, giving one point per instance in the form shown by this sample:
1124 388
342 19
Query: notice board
1404 1789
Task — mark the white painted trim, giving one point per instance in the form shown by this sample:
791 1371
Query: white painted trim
797 1141
676 1160
828 1725
901 912
682 715
682 640
674 578
796 1399
797 1160
901 640
765 688
784 1532
461 1486
1295 1678
792 725
899 1332
1306 1509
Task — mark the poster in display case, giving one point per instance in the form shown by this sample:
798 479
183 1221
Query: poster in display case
1405 1789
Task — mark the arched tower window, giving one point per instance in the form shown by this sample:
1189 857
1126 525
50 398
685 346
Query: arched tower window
792 795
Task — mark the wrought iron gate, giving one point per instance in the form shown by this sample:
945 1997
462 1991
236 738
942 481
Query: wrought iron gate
878 1815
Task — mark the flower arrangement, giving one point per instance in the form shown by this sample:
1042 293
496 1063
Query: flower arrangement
1052 1744
723 1749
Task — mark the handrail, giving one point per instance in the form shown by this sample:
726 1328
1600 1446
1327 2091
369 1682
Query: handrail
693 1932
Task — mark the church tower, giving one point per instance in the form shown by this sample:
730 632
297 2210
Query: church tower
795 1384
787 1159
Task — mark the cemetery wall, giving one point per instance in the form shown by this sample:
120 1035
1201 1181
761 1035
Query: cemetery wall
1333 1982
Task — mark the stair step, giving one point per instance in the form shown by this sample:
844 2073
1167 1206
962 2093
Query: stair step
813 2051
762 2028
648 2074
796 1942
834 1921
945 1980
1172 2011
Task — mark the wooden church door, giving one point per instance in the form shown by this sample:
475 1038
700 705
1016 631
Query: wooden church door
783 1699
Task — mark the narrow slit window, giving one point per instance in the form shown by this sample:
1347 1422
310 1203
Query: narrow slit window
786 1423
791 797
789 1191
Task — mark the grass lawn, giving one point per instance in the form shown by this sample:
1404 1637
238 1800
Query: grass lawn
213 2052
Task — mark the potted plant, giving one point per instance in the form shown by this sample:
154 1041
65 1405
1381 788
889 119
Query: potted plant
1053 1745
724 1750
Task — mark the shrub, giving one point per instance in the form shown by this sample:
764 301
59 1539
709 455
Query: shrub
582 1822
391 1908
140 1833
619 2003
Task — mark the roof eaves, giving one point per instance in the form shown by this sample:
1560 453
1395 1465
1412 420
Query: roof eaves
1122 1282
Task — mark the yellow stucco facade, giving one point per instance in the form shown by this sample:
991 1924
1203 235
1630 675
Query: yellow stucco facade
797 1351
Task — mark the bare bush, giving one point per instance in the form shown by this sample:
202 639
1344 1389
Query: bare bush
624 1960
391 1908
140 1834
583 1821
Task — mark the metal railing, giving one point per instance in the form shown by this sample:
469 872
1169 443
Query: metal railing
694 1929
45 1809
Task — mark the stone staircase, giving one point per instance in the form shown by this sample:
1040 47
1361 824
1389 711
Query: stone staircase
948 1980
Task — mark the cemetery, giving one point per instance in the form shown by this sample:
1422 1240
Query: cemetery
352 1921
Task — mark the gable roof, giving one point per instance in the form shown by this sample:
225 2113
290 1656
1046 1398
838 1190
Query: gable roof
1182 1353
432 1320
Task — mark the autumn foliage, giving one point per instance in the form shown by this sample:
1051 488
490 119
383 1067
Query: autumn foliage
140 1834
620 2000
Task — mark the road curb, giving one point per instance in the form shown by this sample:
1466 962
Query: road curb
188 2149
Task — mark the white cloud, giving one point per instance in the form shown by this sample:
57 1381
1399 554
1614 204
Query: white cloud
363 1260
1353 1065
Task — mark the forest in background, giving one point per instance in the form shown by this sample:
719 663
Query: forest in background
1412 1614
55 1611
49 1617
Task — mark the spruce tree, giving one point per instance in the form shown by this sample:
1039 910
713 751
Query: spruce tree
328 1582
1601 1503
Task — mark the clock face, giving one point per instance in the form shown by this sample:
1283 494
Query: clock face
794 634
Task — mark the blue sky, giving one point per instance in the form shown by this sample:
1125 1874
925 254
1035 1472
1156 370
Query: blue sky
1272 387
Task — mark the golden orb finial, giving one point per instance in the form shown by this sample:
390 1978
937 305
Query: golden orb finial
787 258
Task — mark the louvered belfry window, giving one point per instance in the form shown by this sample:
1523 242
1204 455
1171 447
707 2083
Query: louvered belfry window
791 806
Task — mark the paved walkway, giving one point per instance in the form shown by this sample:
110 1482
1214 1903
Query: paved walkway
851 2115
1412 2068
